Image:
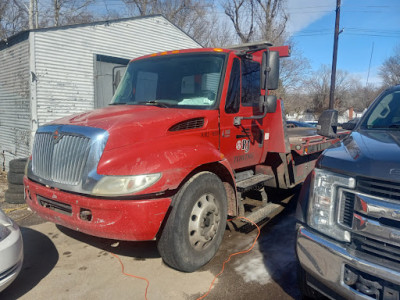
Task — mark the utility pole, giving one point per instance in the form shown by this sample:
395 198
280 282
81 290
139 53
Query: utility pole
36 15
334 59
30 14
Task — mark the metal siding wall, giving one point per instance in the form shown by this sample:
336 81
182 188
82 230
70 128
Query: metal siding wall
15 114
65 59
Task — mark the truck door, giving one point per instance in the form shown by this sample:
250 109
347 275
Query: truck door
242 145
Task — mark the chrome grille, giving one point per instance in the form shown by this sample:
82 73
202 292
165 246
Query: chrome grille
347 209
379 188
60 160
379 252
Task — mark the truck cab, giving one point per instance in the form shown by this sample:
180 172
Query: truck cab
348 231
186 135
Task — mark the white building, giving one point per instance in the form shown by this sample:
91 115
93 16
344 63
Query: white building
50 73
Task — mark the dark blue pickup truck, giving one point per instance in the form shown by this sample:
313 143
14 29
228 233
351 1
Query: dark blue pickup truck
348 230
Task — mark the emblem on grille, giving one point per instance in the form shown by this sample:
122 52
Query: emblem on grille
395 172
56 136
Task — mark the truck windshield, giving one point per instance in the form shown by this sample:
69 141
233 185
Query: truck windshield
386 112
185 80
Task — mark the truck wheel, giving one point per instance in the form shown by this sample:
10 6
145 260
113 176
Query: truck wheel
307 291
196 224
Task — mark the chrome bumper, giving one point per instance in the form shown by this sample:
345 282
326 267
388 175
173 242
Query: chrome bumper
325 260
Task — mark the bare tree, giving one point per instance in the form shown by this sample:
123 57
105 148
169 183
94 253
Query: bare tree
257 19
193 16
318 86
272 19
241 13
390 69
362 96
13 17
71 12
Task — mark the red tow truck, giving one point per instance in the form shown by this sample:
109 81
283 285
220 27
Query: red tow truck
187 135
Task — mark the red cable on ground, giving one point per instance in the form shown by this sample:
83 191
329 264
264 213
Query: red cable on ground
216 276
127 274
233 254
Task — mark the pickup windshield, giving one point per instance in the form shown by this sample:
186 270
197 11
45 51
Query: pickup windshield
181 80
385 113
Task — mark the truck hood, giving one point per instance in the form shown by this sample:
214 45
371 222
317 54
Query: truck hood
129 124
369 153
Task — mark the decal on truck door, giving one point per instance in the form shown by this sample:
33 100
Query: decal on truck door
243 145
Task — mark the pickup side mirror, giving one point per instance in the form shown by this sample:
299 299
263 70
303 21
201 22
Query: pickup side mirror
349 125
268 103
270 65
327 123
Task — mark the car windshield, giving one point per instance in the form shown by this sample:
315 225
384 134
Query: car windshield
385 113
186 81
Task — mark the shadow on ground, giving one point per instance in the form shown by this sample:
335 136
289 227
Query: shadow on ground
277 244
136 250
40 257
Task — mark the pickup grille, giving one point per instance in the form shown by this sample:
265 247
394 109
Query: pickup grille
347 209
60 160
379 188
378 252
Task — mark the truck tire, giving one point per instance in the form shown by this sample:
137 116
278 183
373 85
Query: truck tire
307 291
15 178
14 198
15 188
194 229
18 165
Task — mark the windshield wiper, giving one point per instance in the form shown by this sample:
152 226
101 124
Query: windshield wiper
155 102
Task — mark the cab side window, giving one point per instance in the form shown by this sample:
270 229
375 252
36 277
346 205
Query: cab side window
250 82
233 95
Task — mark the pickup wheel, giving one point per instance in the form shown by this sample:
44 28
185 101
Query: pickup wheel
194 229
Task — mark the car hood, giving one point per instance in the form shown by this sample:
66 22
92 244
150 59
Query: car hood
369 153
128 124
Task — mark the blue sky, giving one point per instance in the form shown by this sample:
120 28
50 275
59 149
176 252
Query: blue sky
365 24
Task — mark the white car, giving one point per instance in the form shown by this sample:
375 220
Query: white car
11 251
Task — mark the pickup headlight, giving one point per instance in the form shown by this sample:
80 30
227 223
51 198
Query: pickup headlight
323 203
124 185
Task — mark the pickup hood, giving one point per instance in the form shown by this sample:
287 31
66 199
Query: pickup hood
369 153
128 124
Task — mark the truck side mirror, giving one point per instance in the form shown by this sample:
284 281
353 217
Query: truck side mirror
268 103
270 65
327 123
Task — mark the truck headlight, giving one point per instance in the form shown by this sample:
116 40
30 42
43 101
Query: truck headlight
323 203
124 185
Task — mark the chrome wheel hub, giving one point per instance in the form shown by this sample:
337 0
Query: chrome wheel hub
204 222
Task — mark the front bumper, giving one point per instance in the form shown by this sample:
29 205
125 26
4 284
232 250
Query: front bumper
11 257
326 260
130 220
